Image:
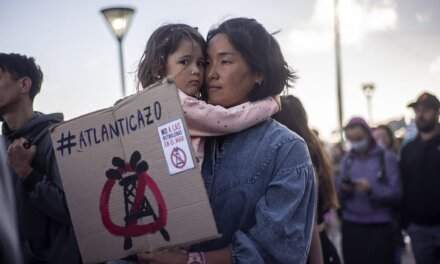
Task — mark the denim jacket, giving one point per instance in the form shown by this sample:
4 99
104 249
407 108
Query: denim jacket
261 187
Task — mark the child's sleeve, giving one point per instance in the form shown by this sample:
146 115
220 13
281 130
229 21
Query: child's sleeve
204 119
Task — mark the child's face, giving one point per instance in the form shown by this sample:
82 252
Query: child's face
186 67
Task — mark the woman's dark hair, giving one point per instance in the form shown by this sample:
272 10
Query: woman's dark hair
261 52
390 135
19 66
164 41
294 116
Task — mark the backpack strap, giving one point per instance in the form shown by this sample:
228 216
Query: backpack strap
348 163
382 174
39 161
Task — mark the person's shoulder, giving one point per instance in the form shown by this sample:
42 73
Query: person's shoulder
390 153
279 134
278 130
346 158
282 142
41 135
49 119
390 156
409 146
286 145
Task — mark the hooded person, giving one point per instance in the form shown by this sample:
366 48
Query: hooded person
45 228
368 186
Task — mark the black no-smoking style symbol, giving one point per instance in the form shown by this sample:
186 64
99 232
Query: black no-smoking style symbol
178 158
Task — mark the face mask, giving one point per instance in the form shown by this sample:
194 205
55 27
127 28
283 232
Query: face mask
359 146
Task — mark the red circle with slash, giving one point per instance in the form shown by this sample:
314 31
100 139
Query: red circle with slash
133 229
178 158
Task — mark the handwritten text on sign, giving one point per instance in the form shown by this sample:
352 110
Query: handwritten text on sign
86 138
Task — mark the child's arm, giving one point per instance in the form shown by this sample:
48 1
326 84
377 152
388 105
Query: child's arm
204 119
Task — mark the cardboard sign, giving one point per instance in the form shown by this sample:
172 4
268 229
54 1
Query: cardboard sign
130 178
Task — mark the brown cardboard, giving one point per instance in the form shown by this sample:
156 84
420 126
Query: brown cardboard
92 188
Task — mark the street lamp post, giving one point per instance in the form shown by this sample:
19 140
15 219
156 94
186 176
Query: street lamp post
368 89
338 70
119 19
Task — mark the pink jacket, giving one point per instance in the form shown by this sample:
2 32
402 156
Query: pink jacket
206 120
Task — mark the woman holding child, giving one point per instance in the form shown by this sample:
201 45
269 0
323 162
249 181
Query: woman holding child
258 174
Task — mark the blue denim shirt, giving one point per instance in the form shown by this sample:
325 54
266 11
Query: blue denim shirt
261 187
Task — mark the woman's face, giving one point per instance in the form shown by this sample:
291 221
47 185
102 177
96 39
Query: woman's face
358 138
356 134
382 138
229 79
186 67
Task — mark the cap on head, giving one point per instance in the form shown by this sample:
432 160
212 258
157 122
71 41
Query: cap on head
426 100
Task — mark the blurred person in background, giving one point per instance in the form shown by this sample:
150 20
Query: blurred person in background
420 170
294 117
337 152
385 138
369 188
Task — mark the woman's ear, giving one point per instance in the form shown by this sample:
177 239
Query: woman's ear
259 78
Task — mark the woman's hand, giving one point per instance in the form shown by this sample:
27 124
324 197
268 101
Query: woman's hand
180 256
170 256
362 185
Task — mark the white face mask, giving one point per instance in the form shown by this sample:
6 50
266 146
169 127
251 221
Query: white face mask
381 143
359 146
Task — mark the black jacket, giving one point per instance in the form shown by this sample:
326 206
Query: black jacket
44 222
420 172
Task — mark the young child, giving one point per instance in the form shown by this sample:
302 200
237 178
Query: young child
177 52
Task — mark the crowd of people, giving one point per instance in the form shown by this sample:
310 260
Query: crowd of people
387 187
270 180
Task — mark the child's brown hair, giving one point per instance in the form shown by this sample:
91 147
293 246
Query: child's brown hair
164 41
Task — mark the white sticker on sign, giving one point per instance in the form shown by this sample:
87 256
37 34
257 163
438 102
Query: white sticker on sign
175 147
